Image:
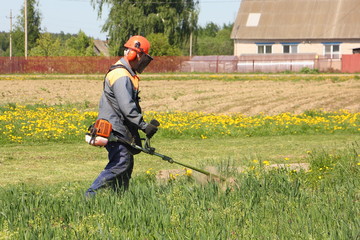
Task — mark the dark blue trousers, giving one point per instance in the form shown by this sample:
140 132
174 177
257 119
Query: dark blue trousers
117 172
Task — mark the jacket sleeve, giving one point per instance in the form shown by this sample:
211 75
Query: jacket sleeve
123 92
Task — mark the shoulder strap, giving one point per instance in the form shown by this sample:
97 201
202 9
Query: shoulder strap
134 78
112 67
115 66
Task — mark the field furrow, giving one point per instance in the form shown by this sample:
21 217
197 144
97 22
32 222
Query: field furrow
210 96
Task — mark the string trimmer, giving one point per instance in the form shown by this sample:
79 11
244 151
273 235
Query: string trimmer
150 150
100 134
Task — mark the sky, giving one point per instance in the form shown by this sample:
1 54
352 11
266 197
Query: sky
71 16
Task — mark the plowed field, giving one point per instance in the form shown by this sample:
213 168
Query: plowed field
211 96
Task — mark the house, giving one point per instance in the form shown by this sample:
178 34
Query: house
325 29
101 48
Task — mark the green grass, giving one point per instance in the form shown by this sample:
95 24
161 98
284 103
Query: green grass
275 204
66 162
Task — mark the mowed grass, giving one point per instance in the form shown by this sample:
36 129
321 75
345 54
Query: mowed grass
50 163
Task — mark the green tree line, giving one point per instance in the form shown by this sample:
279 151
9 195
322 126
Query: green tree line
169 26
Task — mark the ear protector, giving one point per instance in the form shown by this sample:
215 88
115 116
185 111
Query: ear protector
131 54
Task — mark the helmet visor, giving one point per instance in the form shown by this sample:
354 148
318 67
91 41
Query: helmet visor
144 61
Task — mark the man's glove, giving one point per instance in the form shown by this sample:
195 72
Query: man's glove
151 128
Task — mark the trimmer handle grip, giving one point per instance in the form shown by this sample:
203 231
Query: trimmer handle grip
155 122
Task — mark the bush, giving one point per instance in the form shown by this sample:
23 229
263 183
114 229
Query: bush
307 70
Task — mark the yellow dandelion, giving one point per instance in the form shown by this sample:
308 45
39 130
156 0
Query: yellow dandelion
188 172
267 163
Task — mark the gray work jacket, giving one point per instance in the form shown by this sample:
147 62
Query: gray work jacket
119 103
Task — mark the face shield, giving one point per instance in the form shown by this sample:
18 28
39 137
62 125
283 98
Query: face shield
144 61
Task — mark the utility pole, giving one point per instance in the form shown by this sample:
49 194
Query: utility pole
25 28
10 33
191 44
11 17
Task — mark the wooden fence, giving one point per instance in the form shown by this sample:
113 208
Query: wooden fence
351 63
216 64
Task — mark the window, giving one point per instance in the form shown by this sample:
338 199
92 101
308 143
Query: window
253 19
336 51
332 50
287 48
264 49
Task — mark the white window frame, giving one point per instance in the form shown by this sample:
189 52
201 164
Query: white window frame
291 48
331 53
265 47
253 19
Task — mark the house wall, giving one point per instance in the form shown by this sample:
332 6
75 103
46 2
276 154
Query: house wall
243 47
348 47
278 61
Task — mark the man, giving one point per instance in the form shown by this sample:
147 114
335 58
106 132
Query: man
119 104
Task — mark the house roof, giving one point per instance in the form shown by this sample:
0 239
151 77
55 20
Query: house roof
297 19
101 47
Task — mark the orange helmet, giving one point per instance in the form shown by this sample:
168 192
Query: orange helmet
139 44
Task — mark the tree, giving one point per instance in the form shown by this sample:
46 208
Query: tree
4 44
213 40
175 19
54 45
47 45
34 22
210 30
80 45
160 46
224 42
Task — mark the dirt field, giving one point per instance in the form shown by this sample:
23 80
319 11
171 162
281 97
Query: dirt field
247 97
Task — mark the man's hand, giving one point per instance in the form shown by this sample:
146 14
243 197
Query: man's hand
151 128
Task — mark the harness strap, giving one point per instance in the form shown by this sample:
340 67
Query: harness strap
133 77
